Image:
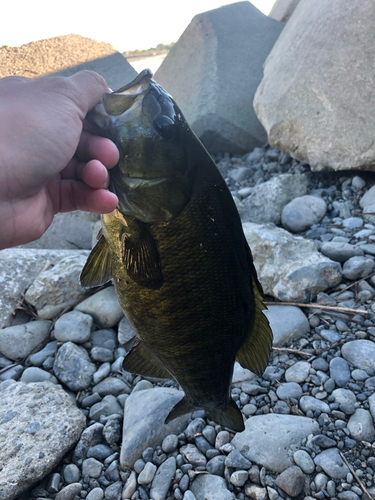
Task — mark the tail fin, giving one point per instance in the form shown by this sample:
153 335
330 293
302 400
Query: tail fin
230 416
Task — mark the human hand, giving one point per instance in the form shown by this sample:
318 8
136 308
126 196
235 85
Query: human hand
50 159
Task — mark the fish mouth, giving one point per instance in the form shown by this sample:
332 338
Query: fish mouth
118 102
133 183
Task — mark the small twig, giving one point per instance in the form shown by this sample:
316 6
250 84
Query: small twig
292 351
361 485
319 306
333 346
353 284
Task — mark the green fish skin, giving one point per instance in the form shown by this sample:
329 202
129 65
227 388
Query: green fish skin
176 253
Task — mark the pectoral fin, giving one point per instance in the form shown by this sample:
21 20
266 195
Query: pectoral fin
98 268
141 256
142 362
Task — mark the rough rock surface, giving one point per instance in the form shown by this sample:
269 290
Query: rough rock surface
18 269
39 423
287 269
283 9
307 116
266 201
59 284
20 340
213 71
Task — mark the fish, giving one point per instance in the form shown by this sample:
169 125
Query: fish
176 253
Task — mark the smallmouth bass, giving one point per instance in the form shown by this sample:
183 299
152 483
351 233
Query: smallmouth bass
176 253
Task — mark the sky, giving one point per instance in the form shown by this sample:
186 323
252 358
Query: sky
125 24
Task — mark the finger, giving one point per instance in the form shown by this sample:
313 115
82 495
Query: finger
94 174
92 147
75 195
88 87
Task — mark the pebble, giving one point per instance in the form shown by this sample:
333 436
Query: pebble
111 385
104 308
101 354
209 487
301 213
309 403
289 390
236 460
361 426
73 367
216 465
332 463
169 443
298 372
35 374
193 455
72 474
69 492
291 481
239 478
73 326
358 267
339 371
95 494
304 461
287 322
147 474
162 480
92 467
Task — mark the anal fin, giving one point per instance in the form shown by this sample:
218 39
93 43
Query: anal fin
98 268
142 362
230 416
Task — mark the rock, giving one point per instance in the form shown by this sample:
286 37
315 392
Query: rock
95 494
361 426
106 338
358 267
162 480
283 9
104 307
332 464
58 286
111 385
304 461
291 480
73 326
90 437
145 412
221 49
125 331
339 370
107 406
73 367
307 117
38 358
39 423
130 486
286 322
255 492
298 372
268 199
69 492
18 269
289 267
112 431
16 342
360 353
289 390
72 474
267 439
309 403
209 487
216 465
367 202
236 460
147 474
340 252
92 467
34 374
302 212
239 477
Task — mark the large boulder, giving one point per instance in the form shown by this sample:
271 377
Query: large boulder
316 100
213 71
65 55
283 9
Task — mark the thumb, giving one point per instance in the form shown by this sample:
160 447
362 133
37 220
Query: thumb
88 88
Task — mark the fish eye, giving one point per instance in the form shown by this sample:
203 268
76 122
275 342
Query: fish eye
165 127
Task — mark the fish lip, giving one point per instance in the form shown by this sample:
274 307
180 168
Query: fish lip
143 79
139 182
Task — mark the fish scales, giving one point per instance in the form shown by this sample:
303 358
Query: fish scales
180 264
